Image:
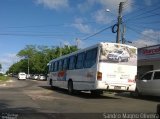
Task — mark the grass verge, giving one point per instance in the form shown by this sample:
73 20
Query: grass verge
3 79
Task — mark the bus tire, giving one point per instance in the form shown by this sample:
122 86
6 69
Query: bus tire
50 83
70 87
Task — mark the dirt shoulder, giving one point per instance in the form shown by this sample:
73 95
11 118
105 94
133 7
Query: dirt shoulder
6 82
15 83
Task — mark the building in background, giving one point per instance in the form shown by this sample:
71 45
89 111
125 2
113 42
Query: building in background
148 58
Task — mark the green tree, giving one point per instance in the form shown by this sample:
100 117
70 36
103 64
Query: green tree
38 57
0 67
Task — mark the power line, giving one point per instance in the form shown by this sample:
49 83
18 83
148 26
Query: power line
49 25
136 31
151 22
137 11
36 35
139 18
16 34
126 5
140 25
96 33
140 8
146 12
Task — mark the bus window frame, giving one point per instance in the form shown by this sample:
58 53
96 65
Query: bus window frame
73 63
60 65
91 58
65 63
52 66
56 66
80 62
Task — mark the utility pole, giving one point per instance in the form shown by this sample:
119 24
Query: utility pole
123 33
28 66
77 42
119 22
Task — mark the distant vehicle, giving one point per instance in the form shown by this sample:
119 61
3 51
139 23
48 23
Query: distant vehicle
42 77
28 76
35 77
149 84
118 56
21 75
89 70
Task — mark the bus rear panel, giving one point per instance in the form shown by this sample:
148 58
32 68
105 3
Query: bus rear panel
117 68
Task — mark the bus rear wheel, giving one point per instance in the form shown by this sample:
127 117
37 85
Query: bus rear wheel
50 82
70 87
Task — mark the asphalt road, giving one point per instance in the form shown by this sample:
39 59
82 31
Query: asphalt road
35 99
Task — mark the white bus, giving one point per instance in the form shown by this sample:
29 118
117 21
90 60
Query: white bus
104 66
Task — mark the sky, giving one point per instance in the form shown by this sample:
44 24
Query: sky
55 22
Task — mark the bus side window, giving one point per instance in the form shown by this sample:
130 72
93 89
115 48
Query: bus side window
60 65
56 66
90 58
72 61
80 60
65 64
52 67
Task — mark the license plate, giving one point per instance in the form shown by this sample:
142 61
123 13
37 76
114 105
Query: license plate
117 87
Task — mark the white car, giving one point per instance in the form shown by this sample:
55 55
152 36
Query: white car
28 76
118 56
35 77
21 75
42 77
149 84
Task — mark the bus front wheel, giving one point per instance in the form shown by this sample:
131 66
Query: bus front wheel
70 87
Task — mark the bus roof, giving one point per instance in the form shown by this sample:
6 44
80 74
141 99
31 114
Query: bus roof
88 48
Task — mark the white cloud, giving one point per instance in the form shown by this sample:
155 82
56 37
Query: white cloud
7 60
87 5
148 37
54 4
114 4
107 4
81 26
101 17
